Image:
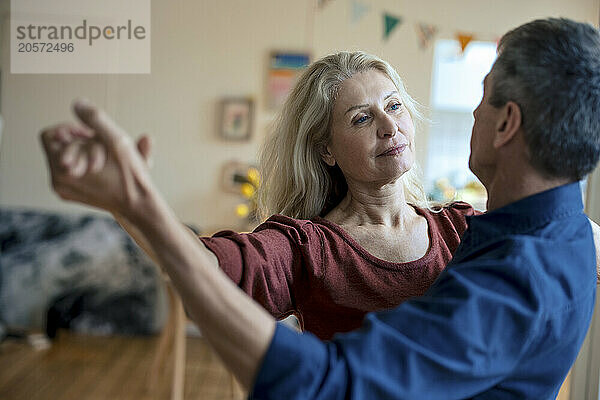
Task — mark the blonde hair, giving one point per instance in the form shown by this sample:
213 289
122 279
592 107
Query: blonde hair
295 180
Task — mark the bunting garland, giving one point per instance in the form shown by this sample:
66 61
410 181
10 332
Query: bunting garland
464 39
425 34
359 10
390 23
322 3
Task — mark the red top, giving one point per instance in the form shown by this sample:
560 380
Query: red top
316 271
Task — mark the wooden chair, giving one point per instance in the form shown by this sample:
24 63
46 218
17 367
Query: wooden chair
171 343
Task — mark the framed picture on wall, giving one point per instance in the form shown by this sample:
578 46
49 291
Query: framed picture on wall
236 118
284 69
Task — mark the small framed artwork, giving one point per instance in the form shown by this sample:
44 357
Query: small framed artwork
284 69
236 118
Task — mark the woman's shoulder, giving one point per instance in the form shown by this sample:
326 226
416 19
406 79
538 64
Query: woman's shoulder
295 228
281 221
460 208
451 215
316 228
277 232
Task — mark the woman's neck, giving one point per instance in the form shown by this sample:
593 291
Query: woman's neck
373 205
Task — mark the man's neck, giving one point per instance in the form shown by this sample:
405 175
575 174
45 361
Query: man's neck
505 189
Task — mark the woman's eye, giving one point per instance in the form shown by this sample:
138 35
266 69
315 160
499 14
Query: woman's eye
361 119
395 106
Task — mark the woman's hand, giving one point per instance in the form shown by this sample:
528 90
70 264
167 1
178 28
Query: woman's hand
98 164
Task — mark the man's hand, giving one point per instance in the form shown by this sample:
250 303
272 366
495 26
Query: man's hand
98 164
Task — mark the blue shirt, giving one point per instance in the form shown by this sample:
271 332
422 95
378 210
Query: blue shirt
505 319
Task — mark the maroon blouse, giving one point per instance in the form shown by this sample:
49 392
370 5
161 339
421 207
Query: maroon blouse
316 271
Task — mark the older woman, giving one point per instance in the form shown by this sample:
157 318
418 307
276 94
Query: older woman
352 230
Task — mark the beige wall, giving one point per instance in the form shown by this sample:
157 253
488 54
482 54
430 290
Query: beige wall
204 50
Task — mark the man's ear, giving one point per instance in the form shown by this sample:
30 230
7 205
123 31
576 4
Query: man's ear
509 123
327 157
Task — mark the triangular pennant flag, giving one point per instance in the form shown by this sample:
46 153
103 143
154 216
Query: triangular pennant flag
359 10
464 39
390 23
322 3
425 32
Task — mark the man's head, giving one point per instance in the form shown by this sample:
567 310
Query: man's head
550 70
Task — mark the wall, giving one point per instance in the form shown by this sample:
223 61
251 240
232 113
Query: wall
204 50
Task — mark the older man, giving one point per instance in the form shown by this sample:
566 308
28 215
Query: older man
507 316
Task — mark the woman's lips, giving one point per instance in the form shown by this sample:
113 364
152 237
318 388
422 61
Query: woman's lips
392 151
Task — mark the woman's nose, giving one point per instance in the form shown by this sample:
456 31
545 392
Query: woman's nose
386 126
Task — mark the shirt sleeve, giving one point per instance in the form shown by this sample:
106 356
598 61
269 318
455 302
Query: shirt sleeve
462 337
267 263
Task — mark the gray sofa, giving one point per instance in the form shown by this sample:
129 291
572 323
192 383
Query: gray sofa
80 272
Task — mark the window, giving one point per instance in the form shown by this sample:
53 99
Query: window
457 87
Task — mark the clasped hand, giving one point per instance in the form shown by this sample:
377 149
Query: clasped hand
98 164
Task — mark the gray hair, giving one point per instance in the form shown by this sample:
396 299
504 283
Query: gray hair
295 180
551 69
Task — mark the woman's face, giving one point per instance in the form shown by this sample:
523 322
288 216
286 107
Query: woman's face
372 133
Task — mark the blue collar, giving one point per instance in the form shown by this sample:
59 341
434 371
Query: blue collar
521 216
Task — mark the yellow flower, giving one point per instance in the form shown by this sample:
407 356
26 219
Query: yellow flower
247 190
242 210
253 176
